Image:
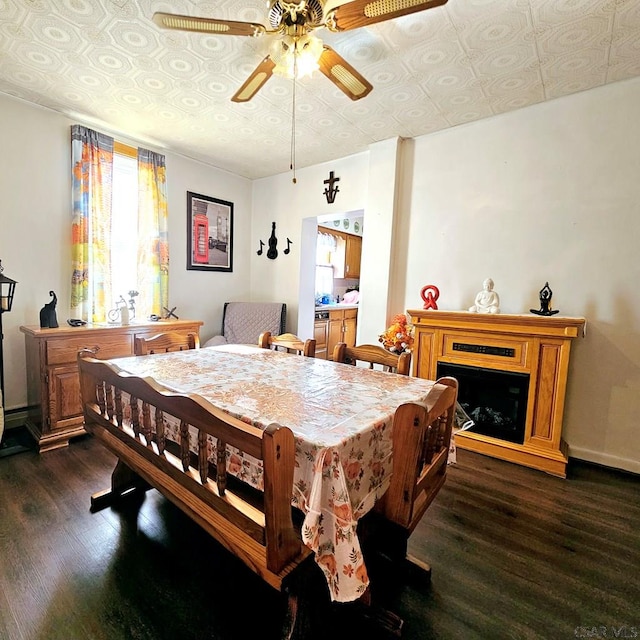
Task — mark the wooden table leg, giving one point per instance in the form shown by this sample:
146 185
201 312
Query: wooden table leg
380 619
385 545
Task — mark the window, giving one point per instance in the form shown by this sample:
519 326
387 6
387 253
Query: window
124 225
324 281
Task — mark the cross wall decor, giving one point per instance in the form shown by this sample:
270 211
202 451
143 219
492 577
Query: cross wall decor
331 189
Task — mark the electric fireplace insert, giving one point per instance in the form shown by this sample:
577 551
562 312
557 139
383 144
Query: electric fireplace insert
495 400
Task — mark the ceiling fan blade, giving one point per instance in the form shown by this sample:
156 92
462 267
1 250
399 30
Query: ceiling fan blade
361 13
255 81
343 75
208 25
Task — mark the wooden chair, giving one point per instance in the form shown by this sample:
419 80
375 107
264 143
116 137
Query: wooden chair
164 342
421 441
374 355
287 342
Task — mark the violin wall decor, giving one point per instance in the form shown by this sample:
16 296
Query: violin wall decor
272 251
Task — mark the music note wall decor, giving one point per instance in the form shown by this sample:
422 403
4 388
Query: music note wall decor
272 251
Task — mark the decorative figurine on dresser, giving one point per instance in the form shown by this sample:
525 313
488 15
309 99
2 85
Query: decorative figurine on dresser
48 319
545 302
487 300
430 294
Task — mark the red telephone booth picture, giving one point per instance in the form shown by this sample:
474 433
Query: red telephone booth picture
209 232
200 239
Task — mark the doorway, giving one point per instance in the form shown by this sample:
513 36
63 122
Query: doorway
353 222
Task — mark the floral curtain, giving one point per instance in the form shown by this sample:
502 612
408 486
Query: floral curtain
92 186
92 173
153 242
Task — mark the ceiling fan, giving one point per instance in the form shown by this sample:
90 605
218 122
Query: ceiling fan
296 50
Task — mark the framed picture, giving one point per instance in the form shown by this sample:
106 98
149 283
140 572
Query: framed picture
209 233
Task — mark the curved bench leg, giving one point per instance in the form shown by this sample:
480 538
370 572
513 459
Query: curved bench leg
124 481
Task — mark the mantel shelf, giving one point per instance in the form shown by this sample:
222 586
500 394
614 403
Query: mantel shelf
531 324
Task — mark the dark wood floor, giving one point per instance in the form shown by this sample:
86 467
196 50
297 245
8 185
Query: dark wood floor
515 554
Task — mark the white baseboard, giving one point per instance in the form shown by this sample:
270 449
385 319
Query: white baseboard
604 459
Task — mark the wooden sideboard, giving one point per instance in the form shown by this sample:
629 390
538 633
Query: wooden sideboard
53 387
537 346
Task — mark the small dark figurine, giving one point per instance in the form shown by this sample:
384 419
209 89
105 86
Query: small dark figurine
48 318
169 313
545 302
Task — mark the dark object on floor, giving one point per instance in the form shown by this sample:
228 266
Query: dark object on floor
48 319
545 302
16 440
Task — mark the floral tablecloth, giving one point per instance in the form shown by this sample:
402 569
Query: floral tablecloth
341 417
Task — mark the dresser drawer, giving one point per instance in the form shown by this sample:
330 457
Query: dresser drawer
106 345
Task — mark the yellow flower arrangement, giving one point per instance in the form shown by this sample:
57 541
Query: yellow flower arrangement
399 336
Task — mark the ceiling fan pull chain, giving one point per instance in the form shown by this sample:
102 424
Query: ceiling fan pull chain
293 119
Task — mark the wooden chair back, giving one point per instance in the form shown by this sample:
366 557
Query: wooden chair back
128 414
287 342
164 342
421 441
376 357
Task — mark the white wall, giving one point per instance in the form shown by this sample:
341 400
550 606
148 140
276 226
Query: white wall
550 192
277 199
35 231
547 193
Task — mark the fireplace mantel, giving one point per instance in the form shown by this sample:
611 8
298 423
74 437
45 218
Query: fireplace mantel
536 345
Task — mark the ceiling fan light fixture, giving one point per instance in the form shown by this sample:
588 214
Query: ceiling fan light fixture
296 56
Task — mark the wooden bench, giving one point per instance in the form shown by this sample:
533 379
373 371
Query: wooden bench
127 414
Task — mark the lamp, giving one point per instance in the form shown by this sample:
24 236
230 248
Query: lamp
296 56
7 289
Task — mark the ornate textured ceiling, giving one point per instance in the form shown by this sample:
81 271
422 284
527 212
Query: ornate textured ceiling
105 62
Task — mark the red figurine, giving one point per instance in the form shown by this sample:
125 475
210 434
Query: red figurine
430 294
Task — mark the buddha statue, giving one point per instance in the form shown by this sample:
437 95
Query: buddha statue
487 300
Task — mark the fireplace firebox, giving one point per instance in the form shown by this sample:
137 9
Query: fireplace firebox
496 401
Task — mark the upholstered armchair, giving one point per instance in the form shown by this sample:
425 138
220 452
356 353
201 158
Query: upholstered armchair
243 322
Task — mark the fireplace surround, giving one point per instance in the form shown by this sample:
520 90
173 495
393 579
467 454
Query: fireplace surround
513 368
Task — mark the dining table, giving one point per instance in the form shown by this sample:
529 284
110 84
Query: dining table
342 420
